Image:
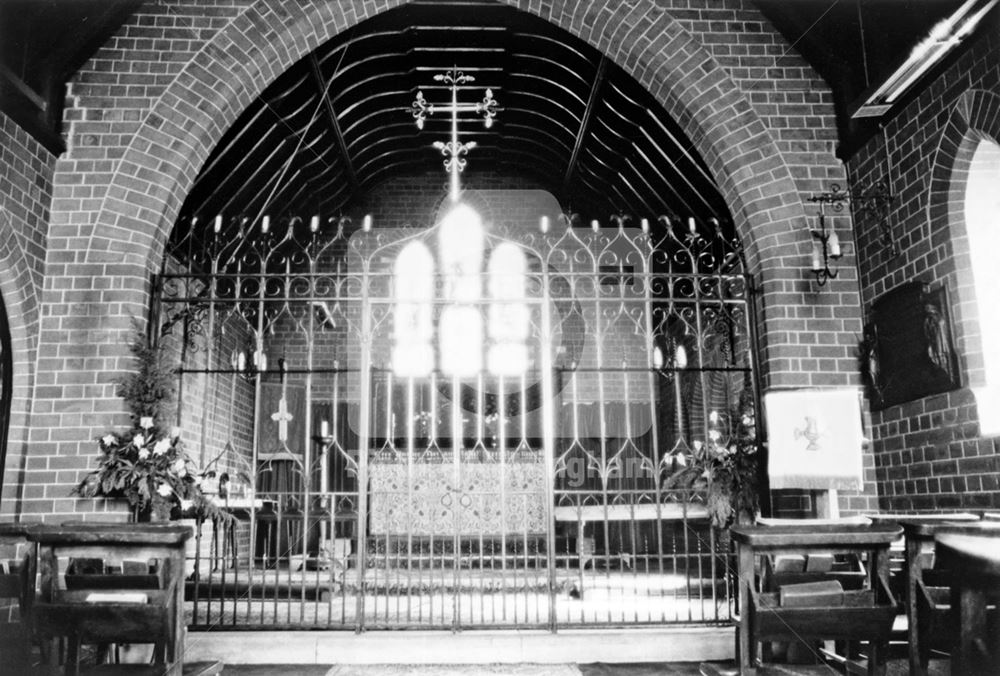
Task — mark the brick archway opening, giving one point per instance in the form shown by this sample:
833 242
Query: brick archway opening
126 235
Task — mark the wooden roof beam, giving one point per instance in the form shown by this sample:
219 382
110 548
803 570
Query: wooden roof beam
588 113
331 114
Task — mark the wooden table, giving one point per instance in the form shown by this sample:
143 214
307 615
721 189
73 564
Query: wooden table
95 610
761 619
974 559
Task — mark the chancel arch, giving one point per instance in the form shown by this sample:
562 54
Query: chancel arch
141 205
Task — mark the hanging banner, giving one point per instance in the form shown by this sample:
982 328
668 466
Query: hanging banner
814 439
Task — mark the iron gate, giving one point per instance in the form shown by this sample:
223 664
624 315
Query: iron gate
413 437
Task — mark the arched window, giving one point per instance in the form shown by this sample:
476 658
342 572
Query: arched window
508 351
412 352
982 218
460 330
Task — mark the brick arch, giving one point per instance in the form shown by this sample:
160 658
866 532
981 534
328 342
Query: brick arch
21 307
975 116
165 154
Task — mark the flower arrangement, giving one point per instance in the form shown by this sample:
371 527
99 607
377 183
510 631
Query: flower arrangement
726 469
147 464
148 468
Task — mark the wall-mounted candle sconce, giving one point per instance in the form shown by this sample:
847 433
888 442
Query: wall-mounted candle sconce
825 248
875 202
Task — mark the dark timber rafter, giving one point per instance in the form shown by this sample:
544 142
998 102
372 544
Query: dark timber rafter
332 115
588 113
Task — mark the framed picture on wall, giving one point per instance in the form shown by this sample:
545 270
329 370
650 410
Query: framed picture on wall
908 351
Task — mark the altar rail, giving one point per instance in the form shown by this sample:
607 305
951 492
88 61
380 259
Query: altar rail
614 565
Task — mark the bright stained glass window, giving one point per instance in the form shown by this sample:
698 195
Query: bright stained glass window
508 352
461 342
412 353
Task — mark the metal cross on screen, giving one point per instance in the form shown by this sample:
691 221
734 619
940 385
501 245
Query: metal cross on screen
453 150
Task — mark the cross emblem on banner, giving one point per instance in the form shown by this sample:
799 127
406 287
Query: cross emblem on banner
282 417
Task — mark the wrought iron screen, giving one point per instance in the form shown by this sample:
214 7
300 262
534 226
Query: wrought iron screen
445 449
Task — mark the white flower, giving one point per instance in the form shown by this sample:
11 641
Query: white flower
175 432
109 439
178 467
139 441
143 453
187 504
165 490
161 446
145 422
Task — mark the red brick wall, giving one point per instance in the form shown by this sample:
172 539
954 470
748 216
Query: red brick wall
145 112
26 170
929 452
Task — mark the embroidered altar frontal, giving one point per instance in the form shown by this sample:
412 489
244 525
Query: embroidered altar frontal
423 499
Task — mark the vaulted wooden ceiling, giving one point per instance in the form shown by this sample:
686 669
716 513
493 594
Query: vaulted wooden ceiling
338 122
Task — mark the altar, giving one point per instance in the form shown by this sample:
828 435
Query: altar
424 499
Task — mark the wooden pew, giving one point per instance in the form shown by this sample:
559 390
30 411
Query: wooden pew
974 561
927 621
865 614
17 577
142 602
917 554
